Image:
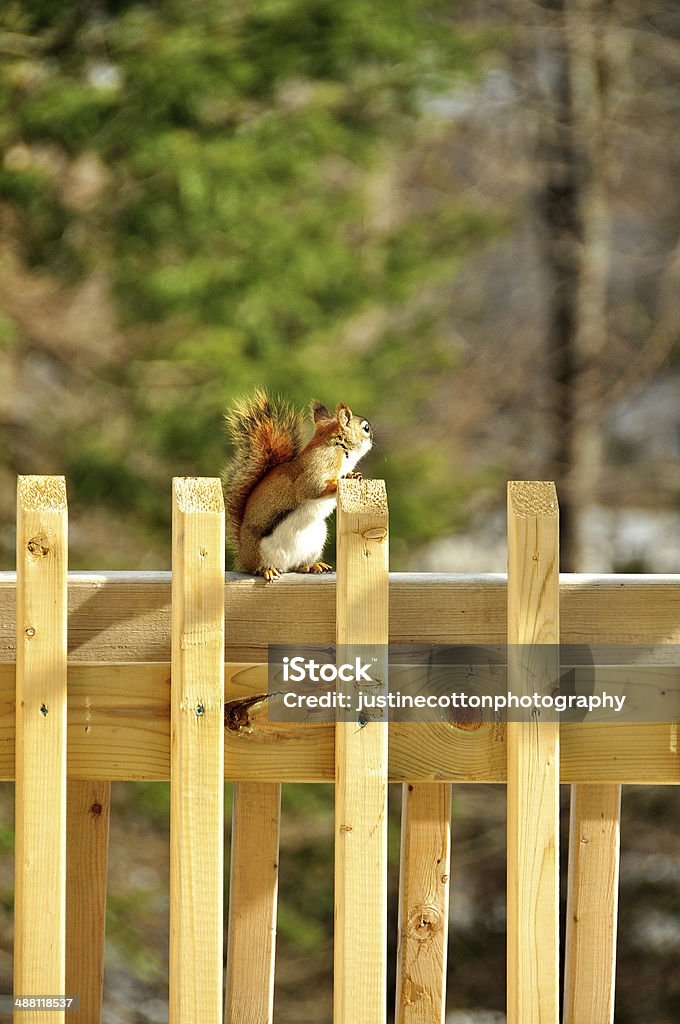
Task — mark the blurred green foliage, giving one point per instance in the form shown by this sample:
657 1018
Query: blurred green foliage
240 176
6 837
127 914
237 202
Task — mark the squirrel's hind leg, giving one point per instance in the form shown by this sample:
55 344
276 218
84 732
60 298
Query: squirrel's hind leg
315 567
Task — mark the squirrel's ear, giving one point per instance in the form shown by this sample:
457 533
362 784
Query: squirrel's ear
320 412
344 414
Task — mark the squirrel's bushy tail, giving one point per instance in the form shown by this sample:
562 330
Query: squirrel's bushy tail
264 432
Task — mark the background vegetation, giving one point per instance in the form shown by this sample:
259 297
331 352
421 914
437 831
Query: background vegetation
462 219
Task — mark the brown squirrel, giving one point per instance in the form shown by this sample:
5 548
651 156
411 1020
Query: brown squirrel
278 493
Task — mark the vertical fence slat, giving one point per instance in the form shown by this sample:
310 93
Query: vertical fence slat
592 904
40 852
251 942
423 903
359 993
533 763
88 807
197 752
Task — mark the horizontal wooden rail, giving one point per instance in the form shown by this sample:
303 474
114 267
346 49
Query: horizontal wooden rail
119 728
115 617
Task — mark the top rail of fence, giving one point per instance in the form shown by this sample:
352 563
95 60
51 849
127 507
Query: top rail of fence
125 616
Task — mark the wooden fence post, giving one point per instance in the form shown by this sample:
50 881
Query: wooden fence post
88 807
592 904
254 876
361 766
197 752
533 759
40 852
423 902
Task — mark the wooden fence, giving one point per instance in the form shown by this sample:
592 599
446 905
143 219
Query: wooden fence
95 655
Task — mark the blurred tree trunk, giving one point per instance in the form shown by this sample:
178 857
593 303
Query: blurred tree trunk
574 211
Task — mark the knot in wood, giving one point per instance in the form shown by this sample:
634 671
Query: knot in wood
375 533
236 717
424 921
471 722
38 546
237 713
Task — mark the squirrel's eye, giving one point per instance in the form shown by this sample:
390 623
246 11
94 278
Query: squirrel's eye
366 427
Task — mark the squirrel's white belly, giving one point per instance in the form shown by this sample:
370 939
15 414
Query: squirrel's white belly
300 538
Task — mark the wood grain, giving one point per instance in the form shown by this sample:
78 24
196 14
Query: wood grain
423 903
116 617
119 729
40 818
533 895
88 806
254 878
197 752
592 904
360 953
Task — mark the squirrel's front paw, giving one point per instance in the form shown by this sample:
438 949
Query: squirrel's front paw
352 476
270 573
315 567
